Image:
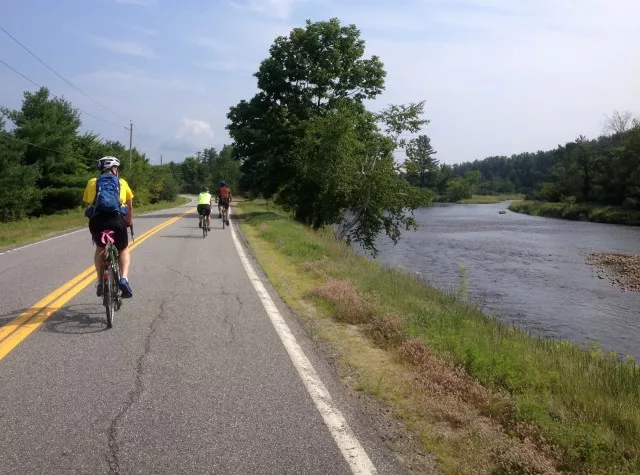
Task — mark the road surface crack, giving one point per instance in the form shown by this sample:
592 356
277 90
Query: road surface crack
182 274
232 331
134 395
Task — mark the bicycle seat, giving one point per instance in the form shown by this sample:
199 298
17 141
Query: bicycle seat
107 235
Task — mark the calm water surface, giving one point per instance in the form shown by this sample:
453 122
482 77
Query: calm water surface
528 270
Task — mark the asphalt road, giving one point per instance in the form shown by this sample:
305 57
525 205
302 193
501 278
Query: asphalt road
196 376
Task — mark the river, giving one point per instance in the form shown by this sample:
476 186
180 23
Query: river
529 271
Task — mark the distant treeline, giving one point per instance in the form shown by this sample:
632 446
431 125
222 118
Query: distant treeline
602 171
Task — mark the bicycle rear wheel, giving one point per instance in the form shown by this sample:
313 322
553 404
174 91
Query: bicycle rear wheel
224 217
204 228
110 295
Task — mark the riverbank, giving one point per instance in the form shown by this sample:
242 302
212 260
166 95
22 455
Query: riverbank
481 199
578 212
478 394
623 270
490 199
26 231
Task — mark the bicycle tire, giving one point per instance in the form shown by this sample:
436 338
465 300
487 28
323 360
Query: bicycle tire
224 217
110 297
110 285
116 281
204 228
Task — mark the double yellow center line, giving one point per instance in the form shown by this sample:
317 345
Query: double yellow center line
19 328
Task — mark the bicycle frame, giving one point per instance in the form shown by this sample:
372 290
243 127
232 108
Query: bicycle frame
203 225
111 275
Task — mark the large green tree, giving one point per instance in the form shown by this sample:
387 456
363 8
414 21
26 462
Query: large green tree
307 73
307 140
50 126
19 194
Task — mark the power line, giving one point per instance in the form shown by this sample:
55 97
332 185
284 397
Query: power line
60 75
38 85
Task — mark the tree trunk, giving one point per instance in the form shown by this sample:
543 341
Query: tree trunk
345 226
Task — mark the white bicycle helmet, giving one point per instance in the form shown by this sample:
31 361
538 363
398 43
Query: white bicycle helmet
107 162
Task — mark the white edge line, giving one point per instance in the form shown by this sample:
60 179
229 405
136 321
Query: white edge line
40 242
84 229
351 449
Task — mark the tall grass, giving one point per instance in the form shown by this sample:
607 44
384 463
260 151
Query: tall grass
586 402
585 212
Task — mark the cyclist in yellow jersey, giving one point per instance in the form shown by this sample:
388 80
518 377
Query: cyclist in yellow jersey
115 221
205 201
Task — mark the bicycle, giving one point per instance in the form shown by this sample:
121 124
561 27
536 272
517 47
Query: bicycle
111 275
203 225
225 213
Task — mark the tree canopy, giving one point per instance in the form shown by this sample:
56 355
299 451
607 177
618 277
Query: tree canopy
307 140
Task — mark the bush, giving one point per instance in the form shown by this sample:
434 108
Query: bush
170 188
549 192
59 199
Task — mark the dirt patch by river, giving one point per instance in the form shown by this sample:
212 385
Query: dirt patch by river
623 270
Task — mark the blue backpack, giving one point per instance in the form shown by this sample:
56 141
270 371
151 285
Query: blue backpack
107 198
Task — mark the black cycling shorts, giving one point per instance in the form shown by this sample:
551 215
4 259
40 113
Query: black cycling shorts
204 210
113 221
223 202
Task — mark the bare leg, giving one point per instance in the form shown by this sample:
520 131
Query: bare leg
97 260
125 259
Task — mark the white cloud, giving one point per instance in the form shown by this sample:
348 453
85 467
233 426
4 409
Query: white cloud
193 135
130 48
195 130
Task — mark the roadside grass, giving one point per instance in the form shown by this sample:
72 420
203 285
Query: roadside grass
485 397
490 199
585 212
30 230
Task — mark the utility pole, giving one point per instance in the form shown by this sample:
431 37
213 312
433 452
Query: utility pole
160 159
130 141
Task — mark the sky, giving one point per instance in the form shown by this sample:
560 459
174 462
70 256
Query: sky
498 76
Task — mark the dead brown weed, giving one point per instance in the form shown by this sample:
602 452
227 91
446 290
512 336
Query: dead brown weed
387 331
351 307
463 409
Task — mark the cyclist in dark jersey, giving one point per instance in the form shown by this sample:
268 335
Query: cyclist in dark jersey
223 197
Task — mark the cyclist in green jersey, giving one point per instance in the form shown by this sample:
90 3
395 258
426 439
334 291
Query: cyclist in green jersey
205 201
